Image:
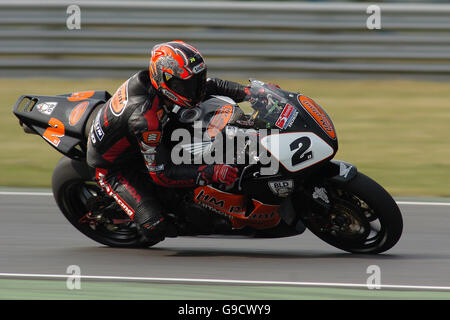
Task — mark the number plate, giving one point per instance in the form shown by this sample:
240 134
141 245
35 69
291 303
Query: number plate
297 150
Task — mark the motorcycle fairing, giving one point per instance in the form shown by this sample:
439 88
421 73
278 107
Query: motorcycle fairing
234 207
220 201
340 171
60 120
305 149
318 114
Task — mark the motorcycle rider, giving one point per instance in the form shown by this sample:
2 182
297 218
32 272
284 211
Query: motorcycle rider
134 127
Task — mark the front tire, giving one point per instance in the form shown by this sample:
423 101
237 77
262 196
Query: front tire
360 216
73 187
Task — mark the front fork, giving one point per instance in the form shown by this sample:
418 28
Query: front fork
314 195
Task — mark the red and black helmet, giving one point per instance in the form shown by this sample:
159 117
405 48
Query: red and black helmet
178 71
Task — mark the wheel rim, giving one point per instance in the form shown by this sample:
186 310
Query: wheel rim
350 223
75 198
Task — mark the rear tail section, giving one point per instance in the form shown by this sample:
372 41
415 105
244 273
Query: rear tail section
60 120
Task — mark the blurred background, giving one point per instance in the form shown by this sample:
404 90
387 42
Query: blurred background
384 79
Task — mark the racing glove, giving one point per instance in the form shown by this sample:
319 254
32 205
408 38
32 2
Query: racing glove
251 93
219 173
273 86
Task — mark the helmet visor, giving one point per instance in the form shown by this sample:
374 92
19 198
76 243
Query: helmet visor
193 88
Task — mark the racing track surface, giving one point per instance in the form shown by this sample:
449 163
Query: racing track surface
36 239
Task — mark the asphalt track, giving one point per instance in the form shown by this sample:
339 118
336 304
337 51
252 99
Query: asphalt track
36 239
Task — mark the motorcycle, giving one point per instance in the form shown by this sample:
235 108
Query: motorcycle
302 186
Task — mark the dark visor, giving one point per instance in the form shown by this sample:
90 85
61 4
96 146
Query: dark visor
192 88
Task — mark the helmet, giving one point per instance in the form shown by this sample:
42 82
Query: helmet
178 71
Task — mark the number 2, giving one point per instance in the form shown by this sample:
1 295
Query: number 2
300 155
55 132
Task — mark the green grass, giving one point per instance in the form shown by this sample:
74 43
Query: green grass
96 290
394 131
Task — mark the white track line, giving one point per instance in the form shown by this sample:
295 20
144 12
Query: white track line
223 281
414 203
12 193
423 203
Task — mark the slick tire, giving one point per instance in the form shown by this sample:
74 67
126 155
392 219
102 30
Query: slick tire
72 184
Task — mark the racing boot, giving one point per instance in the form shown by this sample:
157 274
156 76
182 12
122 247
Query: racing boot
150 221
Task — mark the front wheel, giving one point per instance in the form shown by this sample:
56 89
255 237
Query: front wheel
357 216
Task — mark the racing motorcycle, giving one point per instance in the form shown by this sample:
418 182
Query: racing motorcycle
301 187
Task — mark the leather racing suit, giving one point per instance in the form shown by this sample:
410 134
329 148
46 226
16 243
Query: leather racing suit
128 145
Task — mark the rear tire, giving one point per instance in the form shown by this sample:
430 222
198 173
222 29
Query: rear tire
363 217
73 185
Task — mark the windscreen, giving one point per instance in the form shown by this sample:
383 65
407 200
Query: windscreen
271 106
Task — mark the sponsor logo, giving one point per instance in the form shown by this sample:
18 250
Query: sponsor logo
344 170
281 188
46 107
219 120
321 193
131 190
262 217
233 207
105 186
94 141
77 113
318 115
220 202
149 153
286 117
199 68
148 149
170 95
99 132
80 96
153 168
119 100
292 119
151 137
98 128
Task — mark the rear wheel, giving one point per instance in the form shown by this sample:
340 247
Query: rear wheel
357 216
75 193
